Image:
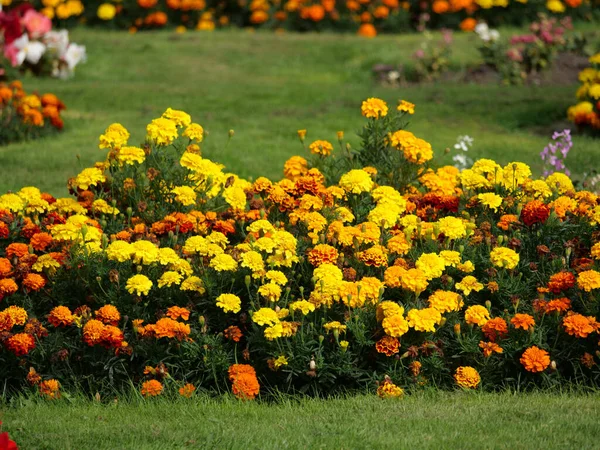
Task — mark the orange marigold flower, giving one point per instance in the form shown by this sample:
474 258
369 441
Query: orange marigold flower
50 389
17 249
560 282
92 332
323 254
152 388
495 329
175 312
33 377
40 241
535 359
559 305
321 147
20 344
415 368
18 314
523 321
61 316
5 267
233 333
387 389
7 287
108 315
244 382
588 360
6 321
578 325
112 337
187 390
388 345
489 348
34 282
35 328
506 221
467 377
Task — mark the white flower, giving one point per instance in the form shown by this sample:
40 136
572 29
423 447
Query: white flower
58 41
74 55
30 51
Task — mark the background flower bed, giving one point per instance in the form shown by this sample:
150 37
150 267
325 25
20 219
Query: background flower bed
366 17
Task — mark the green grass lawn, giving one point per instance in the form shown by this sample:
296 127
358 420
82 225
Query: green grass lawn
426 421
265 86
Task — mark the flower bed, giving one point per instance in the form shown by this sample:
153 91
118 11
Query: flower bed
367 17
359 267
586 113
24 116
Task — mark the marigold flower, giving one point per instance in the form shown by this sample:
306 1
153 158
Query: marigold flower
477 315
229 303
223 263
578 325
61 316
388 345
322 254
395 326
588 280
152 388
374 108
233 333
187 390
7 287
535 359
175 312
504 257
467 377
244 382
389 390
92 332
18 314
469 284
535 212
356 181
20 344
424 319
523 321
560 282
495 329
489 348
6 321
445 301
50 389
406 107
162 131
139 285
323 148
108 315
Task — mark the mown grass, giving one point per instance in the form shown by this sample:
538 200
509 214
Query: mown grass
424 421
266 86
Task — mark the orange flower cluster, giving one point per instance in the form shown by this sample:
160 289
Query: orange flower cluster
244 382
28 115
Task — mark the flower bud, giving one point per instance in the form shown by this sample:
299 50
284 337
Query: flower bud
457 329
312 365
321 338
488 305
553 365
231 133
139 269
247 281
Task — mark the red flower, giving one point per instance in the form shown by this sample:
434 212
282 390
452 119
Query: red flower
535 212
6 443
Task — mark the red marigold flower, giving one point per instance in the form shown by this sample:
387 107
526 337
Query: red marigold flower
4 230
388 345
50 389
534 212
323 254
233 333
33 378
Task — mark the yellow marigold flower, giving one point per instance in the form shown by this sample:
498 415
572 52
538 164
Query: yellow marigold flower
115 136
229 303
162 131
431 264
406 107
374 108
385 215
468 284
169 278
415 281
100 206
446 301
335 326
12 202
265 316
395 326
280 361
253 261
515 174
120 251
131 155
389 390
236 197
184 195
270 291
466 267
491 200
588 280
274 331
595 59
45 262
424 319
106 11
556 6
144 252
167 255
302 305
467 377
399 245
139 285
560 182
477 315
295 167
356 181
18 314
193 283
452 227
320 147
89 177
277 277
223 263
181 118
450 257
388 308
195 132
595 251
504 257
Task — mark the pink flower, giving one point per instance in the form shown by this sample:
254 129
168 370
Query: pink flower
36 23
10 53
